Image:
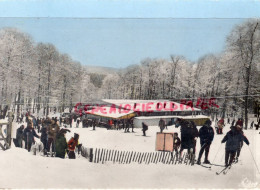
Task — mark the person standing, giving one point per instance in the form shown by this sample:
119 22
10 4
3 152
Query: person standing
70 121
252 125
233 122
161 125
61 143
195 135
44 139
52 132
233 139
220 126
77 124
239 129
206 134
176 145
73 142
127 126
29 134
19 136
144 128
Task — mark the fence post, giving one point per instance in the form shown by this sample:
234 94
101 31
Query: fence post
91 154
9 129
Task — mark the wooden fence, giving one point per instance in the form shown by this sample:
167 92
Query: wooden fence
127 157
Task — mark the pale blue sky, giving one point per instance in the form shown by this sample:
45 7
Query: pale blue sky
121 42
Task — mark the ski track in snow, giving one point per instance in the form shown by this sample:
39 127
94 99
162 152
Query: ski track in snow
29 171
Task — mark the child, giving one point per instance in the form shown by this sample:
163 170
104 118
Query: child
176 143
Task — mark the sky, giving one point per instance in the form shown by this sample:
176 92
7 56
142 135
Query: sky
118 33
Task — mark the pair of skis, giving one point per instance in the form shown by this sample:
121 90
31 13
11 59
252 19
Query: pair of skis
224 171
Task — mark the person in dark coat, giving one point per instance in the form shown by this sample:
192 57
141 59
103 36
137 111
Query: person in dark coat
61 143
233 142
132 124
29 134
239 129
206 134
144 128
77 124
44 139
252 125
188 135
70 121
127 126
161 125
19 136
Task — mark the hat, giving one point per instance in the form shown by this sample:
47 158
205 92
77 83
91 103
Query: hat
208 122
64 131
76 136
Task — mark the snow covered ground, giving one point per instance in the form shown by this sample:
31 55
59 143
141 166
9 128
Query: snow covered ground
20 169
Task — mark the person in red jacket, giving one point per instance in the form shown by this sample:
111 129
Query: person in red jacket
220 126
73 142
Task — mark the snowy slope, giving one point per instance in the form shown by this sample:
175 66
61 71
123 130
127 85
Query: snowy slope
28 171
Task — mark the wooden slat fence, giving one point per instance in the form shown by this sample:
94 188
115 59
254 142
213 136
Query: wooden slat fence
101 155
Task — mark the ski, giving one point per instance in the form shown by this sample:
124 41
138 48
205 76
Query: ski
223 170
217 165
204 166
228 168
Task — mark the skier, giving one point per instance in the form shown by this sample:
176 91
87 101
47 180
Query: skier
19 136
73 142
239 128
144 128
61 143
228 121
206 134
161 125
233 139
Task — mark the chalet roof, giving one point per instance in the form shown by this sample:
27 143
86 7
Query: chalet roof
111 112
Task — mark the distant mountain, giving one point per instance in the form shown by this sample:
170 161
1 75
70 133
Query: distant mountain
101 70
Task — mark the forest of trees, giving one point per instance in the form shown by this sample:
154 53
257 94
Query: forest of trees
35 76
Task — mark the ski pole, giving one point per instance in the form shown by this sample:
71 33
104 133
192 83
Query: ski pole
253 159
217 153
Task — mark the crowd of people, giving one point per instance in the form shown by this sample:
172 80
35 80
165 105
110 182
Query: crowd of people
51 135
